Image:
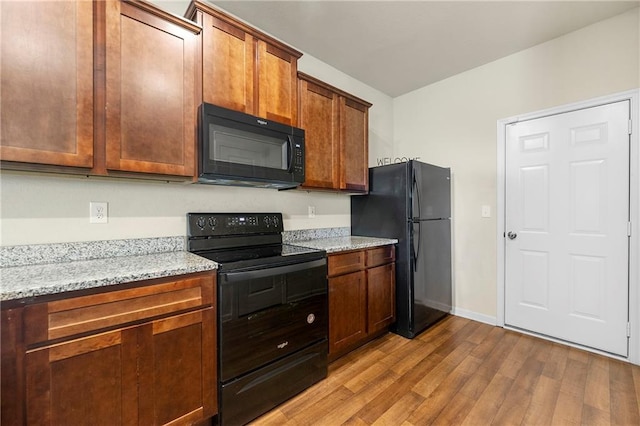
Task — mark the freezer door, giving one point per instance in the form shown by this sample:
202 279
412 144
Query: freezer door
430 191
384 212
431 272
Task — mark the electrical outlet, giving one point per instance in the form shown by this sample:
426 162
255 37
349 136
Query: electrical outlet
312 211
486 211
98 212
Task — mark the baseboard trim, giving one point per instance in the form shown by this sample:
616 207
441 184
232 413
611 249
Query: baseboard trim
465 313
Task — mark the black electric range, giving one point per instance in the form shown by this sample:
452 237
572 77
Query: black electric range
272 310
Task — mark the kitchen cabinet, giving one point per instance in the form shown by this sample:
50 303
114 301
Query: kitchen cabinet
136 355
361 297
244 69
129 105
150 91
47 102
336 136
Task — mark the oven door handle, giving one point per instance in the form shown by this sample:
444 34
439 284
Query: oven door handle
229 277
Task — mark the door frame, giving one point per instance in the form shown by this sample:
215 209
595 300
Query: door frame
634 205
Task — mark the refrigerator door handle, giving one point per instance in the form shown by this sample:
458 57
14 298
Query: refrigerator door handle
416 195
416 252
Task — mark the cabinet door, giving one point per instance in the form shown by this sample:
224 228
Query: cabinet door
277 84
354 151
150 71
46 107
318 116
90 380
178 355
228 65
347 311
11 367
381 297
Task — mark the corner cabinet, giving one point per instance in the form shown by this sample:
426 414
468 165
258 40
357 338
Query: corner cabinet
244 69
336 136
97 88
361 297
143 355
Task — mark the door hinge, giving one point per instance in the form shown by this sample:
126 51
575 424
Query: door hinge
630 126
628 229
628 329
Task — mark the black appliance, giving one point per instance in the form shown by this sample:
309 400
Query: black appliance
412 202
239 149
272 311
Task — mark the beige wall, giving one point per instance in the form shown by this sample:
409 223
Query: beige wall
453 123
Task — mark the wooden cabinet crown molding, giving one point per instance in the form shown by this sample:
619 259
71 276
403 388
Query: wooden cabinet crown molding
196 5
340 92
160 13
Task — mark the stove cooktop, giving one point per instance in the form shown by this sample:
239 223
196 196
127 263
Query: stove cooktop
244 240
261 256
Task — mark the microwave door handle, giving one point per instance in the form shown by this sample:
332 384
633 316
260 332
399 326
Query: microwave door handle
290 148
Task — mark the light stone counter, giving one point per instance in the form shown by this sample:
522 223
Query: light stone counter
338 244
82 271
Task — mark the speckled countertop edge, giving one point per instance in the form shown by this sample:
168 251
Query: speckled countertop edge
338 244
38 280
87 250
39 270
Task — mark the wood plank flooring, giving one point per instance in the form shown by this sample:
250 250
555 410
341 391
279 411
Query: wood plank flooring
462 372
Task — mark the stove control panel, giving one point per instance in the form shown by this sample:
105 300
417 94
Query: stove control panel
226 224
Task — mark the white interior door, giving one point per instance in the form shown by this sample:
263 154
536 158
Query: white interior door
567 214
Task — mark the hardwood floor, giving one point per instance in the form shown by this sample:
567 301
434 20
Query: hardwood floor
468 373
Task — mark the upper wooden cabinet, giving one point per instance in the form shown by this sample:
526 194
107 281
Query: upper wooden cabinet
336 136
150 91
108 86
244 69
46 107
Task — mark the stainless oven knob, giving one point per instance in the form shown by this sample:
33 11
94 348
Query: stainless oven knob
311 318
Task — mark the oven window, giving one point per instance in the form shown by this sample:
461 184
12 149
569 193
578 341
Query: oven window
241 147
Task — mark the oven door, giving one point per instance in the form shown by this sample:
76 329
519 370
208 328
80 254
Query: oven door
267 314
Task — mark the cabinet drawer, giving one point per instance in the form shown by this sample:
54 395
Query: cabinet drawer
380 256
79 315
345 262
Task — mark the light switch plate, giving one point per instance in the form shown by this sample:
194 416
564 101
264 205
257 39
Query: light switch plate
486 211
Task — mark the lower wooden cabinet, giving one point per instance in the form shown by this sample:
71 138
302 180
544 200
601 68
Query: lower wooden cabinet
381 297
361 297
144 355
347 310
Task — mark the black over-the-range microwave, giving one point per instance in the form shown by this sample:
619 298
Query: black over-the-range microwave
239 149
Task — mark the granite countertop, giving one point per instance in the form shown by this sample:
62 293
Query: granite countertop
38 280
40 270
345 243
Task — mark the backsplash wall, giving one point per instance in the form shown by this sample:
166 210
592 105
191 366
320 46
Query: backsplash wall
38 208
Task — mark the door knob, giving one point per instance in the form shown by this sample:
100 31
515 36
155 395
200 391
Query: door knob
512 235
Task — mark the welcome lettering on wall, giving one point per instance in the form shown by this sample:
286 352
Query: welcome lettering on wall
381 161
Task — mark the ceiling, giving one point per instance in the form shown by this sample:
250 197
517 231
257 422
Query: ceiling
399 46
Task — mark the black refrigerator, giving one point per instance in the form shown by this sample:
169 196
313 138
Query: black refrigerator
412 202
